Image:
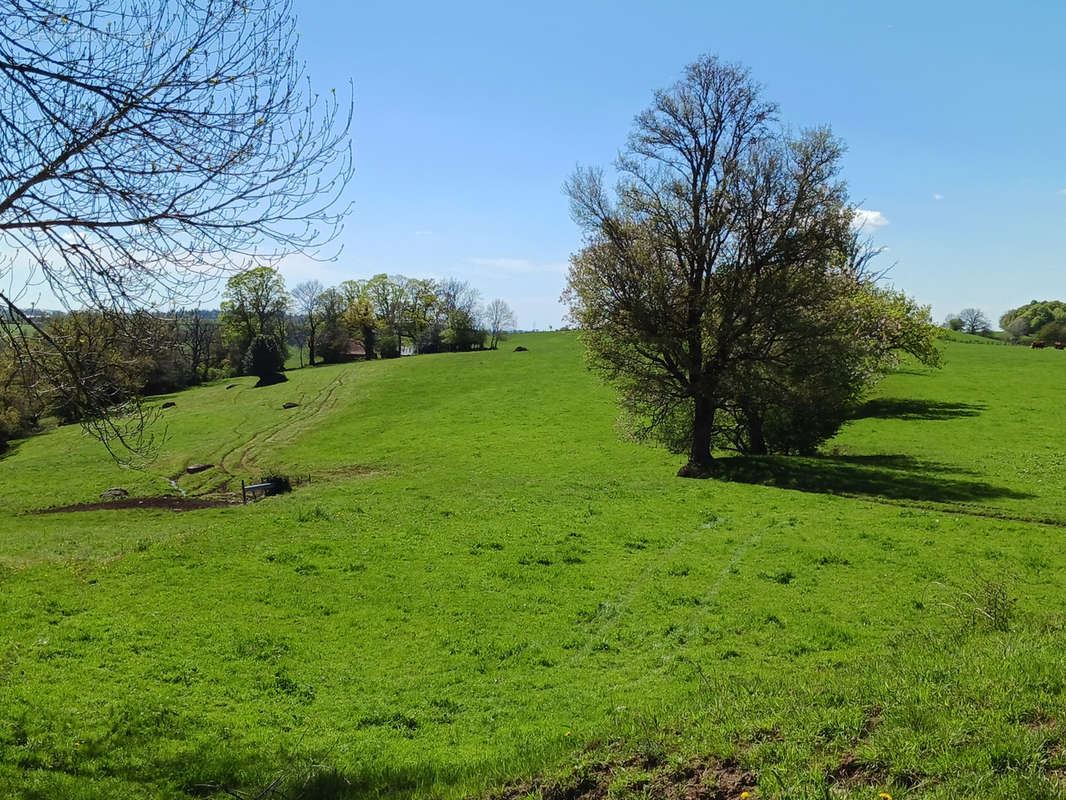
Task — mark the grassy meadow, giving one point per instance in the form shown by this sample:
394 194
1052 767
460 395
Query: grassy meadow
485 592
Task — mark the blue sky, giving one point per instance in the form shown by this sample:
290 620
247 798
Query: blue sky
470 116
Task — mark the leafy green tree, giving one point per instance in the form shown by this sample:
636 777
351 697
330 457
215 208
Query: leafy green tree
334 336
1016 328
254 303
420 303
722 224
265 359
1054 331
359 317
795 401
387 298
453 294
1036 314
110 358
21 405
462 332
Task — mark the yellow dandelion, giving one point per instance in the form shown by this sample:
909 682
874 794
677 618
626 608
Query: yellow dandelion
568 733
885 796
744 795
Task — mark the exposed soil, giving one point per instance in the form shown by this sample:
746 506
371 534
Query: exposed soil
697 779
168 502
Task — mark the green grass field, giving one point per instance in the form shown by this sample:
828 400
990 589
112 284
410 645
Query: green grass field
483 591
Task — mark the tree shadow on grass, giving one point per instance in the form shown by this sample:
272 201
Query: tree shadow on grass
9 449
892 477
909 408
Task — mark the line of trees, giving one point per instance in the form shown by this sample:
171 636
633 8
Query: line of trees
389 316
121 357
1042 319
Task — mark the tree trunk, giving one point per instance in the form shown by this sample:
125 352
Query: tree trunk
700 462
756 439
311 349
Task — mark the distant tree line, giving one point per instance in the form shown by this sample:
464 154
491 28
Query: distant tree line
1041 319
122 356
384 316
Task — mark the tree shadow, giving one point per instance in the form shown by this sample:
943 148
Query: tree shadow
909 408
8 449
892 477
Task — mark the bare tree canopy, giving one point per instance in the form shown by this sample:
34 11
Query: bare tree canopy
974 321
499 318
148 147
305 306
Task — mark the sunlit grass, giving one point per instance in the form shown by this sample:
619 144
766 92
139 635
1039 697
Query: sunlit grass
482 584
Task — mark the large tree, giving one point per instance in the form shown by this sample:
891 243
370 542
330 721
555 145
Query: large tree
499 318
254 303
306 308
387 298
724 240
148 146
974 321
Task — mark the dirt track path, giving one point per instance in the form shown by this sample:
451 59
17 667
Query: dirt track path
239 456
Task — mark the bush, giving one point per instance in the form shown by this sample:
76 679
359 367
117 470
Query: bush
280 484
226 370
265 358
1054 331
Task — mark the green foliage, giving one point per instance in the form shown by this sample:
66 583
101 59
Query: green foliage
1036 314
462 332
801 398
264 358
254 303
1053 331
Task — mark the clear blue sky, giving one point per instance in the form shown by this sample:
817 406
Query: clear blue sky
469 117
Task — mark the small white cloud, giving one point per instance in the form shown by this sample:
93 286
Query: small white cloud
864 218
938 197
1062 191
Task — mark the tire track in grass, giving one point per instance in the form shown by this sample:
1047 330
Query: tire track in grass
736 555
629 593
310 410
238 456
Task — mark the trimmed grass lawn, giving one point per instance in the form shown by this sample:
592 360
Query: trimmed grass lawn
483 584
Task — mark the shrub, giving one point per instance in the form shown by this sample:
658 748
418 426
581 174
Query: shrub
280 484
1054 331
265 358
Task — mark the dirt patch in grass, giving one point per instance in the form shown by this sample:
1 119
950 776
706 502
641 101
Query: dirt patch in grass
696 779
853 772
166 502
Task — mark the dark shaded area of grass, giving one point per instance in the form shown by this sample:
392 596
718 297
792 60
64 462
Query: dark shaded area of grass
914 409
896 477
